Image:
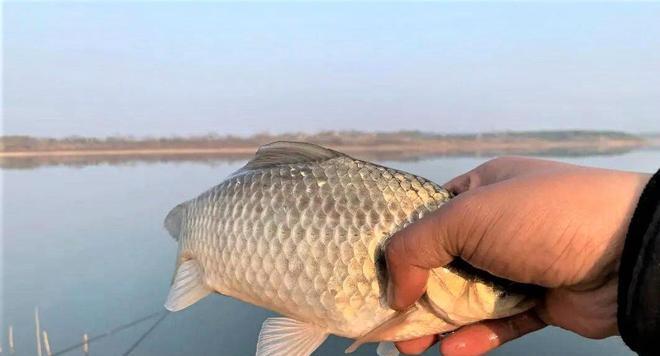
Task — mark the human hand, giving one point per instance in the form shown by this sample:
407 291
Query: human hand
552 224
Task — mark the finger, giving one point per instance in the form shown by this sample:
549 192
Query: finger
487 173
461 183
499 169
482 337
484 174
410 253
416 346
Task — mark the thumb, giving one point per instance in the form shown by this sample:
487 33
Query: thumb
413 251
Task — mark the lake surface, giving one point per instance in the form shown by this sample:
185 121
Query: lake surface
86 245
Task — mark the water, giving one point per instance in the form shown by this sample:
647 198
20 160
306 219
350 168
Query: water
87 246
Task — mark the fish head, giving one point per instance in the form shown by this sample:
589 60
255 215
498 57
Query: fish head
461 294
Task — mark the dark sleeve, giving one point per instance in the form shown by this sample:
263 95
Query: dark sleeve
639 275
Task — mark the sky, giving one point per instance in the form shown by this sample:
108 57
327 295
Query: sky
162 69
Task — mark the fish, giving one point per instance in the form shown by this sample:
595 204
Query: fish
301 230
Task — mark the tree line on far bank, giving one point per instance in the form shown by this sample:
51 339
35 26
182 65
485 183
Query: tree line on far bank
330 138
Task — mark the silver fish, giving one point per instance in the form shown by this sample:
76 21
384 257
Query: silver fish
300 230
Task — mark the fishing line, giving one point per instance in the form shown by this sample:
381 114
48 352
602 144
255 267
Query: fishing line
146 333
111 332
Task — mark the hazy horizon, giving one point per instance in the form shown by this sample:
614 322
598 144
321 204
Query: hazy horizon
182 69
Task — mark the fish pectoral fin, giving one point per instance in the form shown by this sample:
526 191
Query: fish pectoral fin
187 287
377 333
387 348
288 337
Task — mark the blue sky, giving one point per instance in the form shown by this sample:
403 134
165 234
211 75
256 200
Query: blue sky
192 68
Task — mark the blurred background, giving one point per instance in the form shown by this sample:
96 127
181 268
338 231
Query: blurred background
114 112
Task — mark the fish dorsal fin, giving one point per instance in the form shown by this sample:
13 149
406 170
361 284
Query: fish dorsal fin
287 152
174 220
288 337
188 287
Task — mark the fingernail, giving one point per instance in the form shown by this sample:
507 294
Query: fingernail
460 346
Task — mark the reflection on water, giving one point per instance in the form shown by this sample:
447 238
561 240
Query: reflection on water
86 245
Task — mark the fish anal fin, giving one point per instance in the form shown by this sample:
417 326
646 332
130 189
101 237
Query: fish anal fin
288 337
381 331
187 287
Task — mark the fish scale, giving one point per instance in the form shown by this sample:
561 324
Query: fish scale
299 231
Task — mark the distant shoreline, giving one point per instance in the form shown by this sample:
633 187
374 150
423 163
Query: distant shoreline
128 152
19 151
368 149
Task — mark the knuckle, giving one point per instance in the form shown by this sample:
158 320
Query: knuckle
403 247
472 180
500 161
